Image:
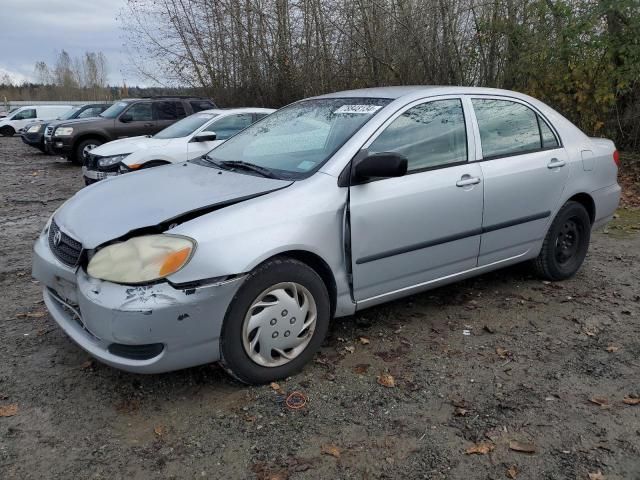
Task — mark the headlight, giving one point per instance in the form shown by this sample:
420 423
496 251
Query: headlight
142 259
108 161
63 131
34 128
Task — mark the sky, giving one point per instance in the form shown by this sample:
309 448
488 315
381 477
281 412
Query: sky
33 30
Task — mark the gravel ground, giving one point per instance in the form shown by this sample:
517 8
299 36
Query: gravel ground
498 364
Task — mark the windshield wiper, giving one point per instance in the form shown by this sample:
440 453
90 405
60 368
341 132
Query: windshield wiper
240 165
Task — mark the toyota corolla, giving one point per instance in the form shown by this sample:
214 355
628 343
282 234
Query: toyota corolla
328 206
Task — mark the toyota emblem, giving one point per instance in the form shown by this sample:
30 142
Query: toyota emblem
57 238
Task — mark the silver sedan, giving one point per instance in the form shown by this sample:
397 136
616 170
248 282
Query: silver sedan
330 205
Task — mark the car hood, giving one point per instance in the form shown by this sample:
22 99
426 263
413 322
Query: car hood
73 121
129 145
114 207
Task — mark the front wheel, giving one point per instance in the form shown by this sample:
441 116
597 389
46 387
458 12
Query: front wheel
275 323
566 243
83 148
7 131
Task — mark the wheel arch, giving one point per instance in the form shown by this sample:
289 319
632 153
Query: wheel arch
587 202
316 263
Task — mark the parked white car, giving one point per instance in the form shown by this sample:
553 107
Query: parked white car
189 138
20 117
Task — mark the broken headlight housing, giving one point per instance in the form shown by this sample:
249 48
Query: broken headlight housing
142 259
113 160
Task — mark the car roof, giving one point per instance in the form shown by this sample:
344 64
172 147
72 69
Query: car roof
222 111
406 90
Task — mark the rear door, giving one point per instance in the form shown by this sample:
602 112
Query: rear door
525 170
167 113
425 225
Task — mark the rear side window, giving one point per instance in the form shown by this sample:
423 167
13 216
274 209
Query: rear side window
199 105
510 128
429 135
169 110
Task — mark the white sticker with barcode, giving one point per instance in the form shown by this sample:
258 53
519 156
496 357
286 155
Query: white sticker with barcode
363 109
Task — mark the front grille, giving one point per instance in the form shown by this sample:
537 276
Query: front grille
91 161
65 248
48 132
136 352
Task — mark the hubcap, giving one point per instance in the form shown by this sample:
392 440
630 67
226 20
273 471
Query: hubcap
279 324
568 241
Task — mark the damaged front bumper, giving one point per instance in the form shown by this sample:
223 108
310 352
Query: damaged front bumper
143 329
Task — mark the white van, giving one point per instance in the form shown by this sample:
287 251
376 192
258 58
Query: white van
17 119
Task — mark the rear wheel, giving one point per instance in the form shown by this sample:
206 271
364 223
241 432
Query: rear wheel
7 131
81 150
566 243
275 323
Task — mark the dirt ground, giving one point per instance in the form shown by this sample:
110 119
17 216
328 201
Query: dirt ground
498 364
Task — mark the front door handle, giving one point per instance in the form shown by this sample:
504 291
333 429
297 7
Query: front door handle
467 180
555 163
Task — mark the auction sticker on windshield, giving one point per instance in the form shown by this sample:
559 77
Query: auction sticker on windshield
366 109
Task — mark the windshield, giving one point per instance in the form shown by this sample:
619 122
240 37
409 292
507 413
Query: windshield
70 114
298 139
114 110
186 126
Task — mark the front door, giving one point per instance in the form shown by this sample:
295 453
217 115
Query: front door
525 170
425 225
135 121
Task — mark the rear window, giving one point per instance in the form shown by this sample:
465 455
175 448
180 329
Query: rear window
199 105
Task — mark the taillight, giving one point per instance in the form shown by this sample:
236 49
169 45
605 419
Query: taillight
616 157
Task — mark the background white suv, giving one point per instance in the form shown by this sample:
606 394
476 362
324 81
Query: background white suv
189 138
17 119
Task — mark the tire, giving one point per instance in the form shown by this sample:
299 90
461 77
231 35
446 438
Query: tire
566 243
7 131
78 152
280 327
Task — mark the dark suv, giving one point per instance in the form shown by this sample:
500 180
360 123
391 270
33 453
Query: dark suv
126 118
35 134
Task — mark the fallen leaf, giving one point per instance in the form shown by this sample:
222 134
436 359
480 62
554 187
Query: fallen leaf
460 412
364 341
361 368
502 352
350 349
512 471
612 349
589 332
160 430
603 402
522 447
386 380
330 449
88 365
274 386
481 448
631 400
596 475
9 410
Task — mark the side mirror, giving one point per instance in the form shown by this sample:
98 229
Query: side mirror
204 137
126 118
379 165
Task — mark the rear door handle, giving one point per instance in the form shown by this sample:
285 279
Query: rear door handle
555 163
467 180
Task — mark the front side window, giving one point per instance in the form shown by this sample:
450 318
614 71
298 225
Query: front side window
228 126
296 140
90 112
25 114
140 112
186 126
509 128
429 135
71 113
